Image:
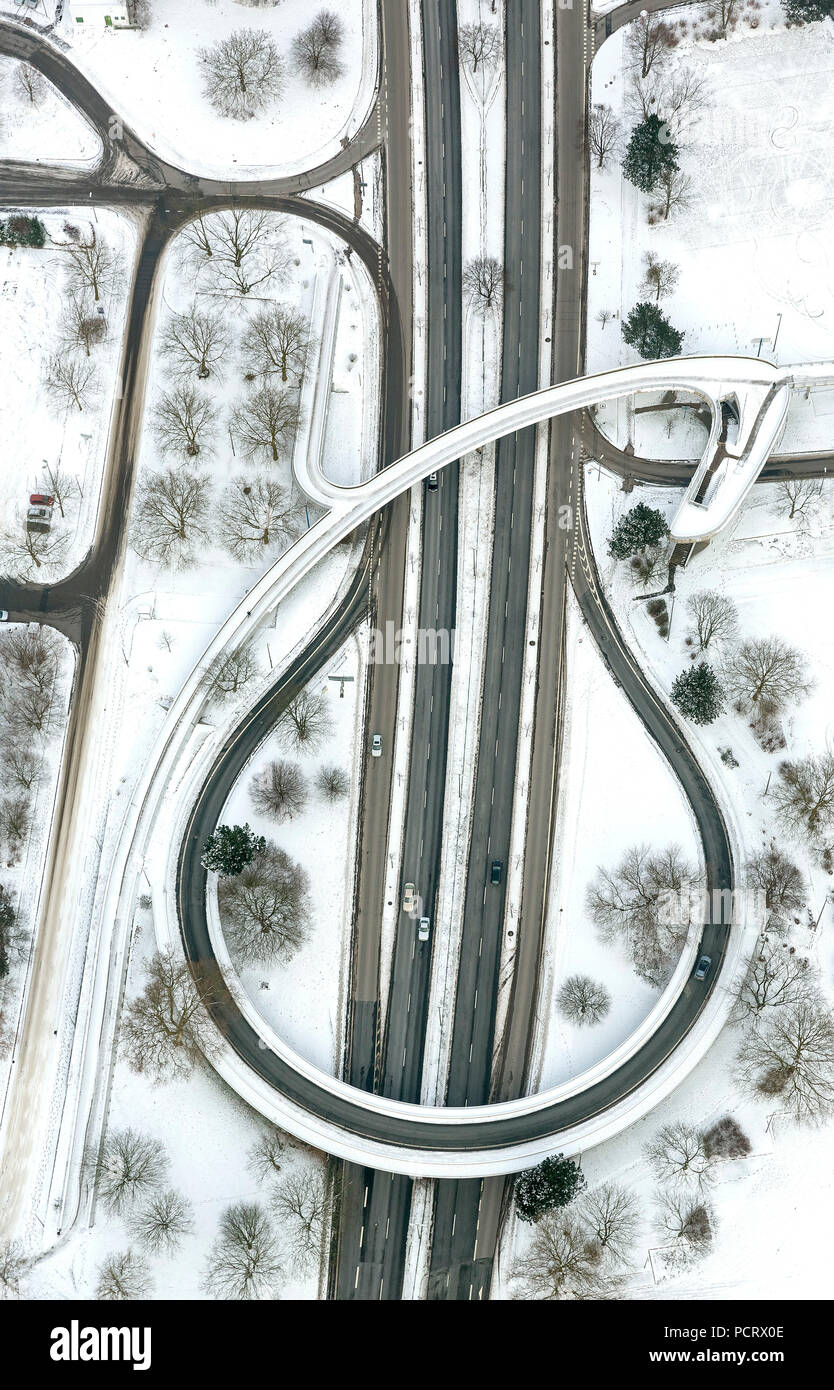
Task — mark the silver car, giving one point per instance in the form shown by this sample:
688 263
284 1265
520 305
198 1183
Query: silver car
423 929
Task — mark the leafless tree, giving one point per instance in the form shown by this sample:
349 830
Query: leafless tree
128 1165
232 671
680 100
767 673
24 552
301 1203
13 1266
30 83
612 1215
249 249
184 419
244 1262
788 1059
773 873
172 516
32 710
32 655
603 316
71 380
479 45
316 49
676 191
13 937
164 1221
167 1030
124 1276
649 42
715 617
82 327
726 1139
265 422
804 794
659 277
678 1156
777 975
603 133
15 821
797 494
197 339
647 903
305 723
277 341
242 74
332 782
583 1000
255 516
279 790
196 240
22 763
265 908
266 1154
93 267
483 281
688 1219
562 1260
60 485
724 16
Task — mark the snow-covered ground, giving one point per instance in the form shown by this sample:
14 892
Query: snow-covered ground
752 245
37 431
47 130
153 77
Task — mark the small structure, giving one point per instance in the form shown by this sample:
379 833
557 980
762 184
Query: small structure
104 14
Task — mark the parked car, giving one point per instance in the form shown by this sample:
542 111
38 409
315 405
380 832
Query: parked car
423 929
702 968
409 898
38 518
376 746
41 499
496 871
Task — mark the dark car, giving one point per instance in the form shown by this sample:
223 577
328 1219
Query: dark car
431 482
702 968
496 871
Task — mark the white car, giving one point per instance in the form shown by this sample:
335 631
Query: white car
4 616
409 898
376 746
423 929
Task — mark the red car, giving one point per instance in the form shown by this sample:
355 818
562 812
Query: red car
40 499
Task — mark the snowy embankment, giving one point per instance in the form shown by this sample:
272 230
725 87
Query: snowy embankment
43 128
154 79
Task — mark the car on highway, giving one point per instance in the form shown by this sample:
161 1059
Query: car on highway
423 929
4 615
431 482
496 871
409 898
376 746
702 968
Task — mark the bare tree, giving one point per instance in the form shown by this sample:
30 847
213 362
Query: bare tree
767 673
184 419
279 790
316 49
612 1215
773 873
724 15
676 190
172 516
24 552
798 493
23 764
167 1029
603 316
332 782
13 1266
265 422
776 975
60 485
196 240
266 1154
789 1059
562 1260
255 516
479 45
128 1165
232 671
162 1224
32 655
647 903
483 281
93 267
248 249
265 908
804 794
649 42
13 938
242 74
244 1262
726 1139
305 723
82 327
681 98
30 83
603 133
677 1155
277 341
197 339
15 822
32 710
659 277
301 1202
71 380
124 1276
688 1219
583 1000
715 617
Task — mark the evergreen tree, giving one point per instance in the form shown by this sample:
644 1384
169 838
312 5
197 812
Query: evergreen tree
23 230
650 153
806 11
649 331
697 694
231 848
553 1183
641 526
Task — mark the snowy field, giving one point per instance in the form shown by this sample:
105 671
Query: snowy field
40 432
753 243
154 79
45 130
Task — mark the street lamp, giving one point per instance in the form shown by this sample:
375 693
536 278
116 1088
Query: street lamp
778 326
